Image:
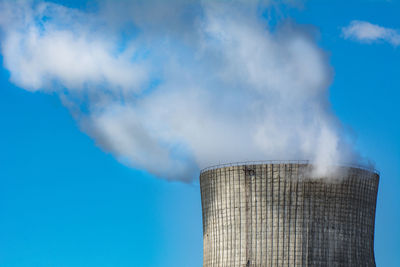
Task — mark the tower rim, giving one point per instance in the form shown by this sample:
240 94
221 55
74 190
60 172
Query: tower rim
299 162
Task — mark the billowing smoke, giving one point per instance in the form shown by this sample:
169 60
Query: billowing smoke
175 86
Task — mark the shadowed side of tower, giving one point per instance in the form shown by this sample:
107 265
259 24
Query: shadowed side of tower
276 215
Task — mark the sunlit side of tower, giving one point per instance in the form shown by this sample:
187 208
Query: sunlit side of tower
274 214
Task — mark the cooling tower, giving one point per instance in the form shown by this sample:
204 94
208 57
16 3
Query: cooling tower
275 214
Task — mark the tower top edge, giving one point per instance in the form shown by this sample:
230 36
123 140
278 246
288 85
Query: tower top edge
293 162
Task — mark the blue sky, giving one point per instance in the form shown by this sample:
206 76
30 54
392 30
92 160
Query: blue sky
66 199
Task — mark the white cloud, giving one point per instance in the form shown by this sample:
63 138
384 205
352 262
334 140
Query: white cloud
185 86
39 52
364 31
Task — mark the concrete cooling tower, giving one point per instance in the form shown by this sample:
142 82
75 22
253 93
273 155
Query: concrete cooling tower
275 214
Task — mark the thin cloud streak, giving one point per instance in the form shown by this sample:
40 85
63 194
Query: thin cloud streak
366 32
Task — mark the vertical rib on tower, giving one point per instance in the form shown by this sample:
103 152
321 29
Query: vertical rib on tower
275 215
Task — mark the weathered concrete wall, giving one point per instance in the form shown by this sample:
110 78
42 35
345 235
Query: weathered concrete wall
274 215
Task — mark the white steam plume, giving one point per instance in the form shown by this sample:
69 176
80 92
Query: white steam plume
178 86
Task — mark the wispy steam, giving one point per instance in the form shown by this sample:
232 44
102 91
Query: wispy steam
172 87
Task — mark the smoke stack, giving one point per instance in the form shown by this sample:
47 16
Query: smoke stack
276 214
